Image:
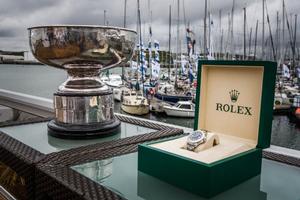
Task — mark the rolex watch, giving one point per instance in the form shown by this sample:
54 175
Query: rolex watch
195 138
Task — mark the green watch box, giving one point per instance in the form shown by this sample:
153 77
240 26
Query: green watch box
234 103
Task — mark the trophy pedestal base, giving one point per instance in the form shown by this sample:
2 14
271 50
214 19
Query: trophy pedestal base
72 131
82 116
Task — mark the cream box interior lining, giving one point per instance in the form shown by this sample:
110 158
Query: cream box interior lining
229 146
237 132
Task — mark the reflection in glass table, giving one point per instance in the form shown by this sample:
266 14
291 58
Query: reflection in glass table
36 136
277 181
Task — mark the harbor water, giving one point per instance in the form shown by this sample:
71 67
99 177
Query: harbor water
43 81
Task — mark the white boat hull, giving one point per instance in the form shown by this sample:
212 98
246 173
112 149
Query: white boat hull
179 113
135 109
117 93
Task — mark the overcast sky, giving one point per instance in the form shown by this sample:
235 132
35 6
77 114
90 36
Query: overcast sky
17 15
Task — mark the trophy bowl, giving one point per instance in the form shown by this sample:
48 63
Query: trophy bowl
83 104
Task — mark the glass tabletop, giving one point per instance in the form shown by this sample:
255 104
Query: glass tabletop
36 136
8 115
277 181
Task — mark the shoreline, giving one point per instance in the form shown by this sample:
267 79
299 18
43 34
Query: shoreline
32 62
21 62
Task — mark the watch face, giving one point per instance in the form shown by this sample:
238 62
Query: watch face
195 136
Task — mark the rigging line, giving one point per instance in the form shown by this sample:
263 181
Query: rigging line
270 31
184 16
184 19
289 28
150 38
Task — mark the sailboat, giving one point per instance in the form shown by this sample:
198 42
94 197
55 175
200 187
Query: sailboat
168 93
133 102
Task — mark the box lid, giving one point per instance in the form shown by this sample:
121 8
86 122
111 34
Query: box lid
236 98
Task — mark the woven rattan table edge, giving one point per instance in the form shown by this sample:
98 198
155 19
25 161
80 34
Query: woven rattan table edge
64 157
24 122
21 159
286 159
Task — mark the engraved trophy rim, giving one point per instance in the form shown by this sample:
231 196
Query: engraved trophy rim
80 51
81 26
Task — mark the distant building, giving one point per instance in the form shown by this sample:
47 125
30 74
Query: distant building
12 55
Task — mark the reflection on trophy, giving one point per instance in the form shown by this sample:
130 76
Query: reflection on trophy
83 104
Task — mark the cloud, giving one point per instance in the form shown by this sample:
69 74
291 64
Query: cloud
7 33
17 15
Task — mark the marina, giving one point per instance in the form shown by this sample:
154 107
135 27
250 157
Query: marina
286 132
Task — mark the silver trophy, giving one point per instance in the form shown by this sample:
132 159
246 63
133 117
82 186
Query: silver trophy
84 106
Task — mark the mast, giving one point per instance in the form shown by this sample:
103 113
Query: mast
221 48
138 57
104 24
277 32
170 55
231 34
137 31
184 16
125 13
209 33
104 18
271 37
177 44
283 27
244 33
294 45
263 30
200 40
228 35
140 41
290 33
221 31
291 19
250 41
255 41
186 25
150 39
124 25
205 36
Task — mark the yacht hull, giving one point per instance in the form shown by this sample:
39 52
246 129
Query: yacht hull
135 109
179 112
172 98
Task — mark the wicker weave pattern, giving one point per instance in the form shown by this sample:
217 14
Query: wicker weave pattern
20 158
65 157
282 158
62 183
144 123
83 154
